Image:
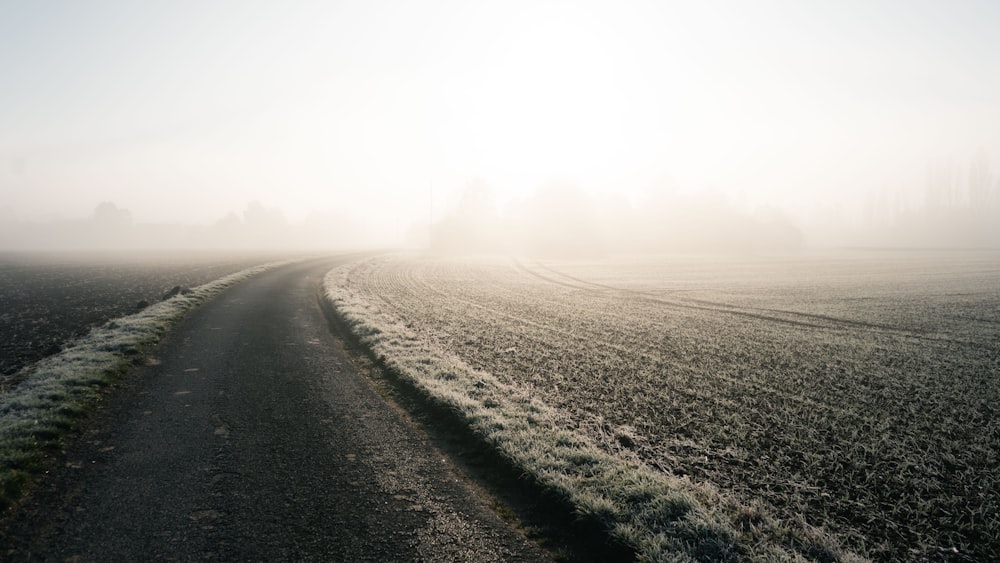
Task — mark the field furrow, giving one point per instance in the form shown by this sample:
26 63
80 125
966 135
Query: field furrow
853 397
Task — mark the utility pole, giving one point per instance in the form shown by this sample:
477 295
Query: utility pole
430 213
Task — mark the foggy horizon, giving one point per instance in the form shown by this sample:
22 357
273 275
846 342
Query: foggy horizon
560 219
539 127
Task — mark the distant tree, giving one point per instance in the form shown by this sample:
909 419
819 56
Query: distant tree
980 181
560 221
940 188
263 219
107 214
478 200
473 226
877 208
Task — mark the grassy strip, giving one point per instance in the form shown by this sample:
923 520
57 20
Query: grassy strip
543 515
660 517
38 411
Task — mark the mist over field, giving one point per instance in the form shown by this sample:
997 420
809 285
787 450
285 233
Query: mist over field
548 127
721 278
256 228
563 220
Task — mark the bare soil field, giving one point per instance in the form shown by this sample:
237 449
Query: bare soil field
50 298
851 393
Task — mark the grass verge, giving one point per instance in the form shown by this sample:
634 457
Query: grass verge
541 515
651 515
48 397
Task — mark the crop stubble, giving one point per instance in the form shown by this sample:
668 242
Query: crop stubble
857 393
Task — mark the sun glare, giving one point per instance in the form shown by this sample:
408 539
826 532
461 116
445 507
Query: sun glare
366 105
550 105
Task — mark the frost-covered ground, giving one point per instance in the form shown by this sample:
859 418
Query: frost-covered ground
37 409
755 408
661 516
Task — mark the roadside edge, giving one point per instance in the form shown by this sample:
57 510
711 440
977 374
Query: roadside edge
53 394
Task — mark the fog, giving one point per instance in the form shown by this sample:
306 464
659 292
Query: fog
256 228
563 220
545 127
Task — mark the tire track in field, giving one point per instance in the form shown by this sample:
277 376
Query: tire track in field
463 298
701 305
738 383
397 276
833 323
887 332
666 451
691 394
585 337
447 299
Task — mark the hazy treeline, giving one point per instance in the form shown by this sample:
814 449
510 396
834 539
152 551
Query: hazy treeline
956 208
560 219
110 227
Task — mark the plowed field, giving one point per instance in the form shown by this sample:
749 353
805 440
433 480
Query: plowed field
857 393
47 299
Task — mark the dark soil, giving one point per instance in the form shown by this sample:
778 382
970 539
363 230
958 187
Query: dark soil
48 299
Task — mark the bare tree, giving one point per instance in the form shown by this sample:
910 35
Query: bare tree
980 180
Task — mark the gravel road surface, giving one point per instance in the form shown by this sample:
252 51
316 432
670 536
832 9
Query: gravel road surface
251 436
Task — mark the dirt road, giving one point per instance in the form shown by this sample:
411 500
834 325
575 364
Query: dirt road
252 437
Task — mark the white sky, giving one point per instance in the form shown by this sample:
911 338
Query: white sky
184 111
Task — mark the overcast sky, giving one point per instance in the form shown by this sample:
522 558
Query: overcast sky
185 111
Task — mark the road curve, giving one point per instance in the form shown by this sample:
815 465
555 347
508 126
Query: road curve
252 437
